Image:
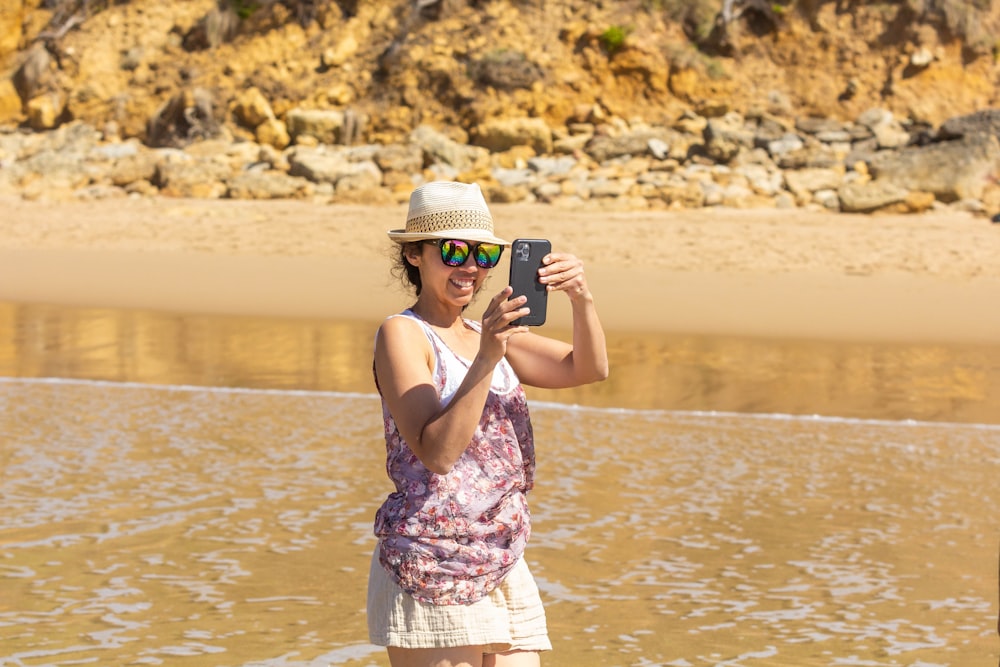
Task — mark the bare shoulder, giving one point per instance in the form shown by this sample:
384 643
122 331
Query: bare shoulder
400 333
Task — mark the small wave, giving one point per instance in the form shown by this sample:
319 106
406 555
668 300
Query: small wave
545 405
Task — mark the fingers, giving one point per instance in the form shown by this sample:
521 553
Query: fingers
502 310
563 272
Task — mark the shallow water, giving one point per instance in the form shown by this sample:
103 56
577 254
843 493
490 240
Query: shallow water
178 524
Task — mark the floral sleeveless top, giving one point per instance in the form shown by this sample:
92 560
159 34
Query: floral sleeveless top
451 539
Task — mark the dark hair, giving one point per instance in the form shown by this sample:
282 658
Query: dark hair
408 274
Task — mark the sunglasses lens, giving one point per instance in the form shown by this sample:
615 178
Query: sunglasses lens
488 254
454 252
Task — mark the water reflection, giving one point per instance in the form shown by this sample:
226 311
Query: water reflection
958 383
203 526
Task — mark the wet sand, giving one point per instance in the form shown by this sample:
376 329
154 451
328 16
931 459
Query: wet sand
780 274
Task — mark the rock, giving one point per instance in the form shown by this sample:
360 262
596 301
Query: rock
261 184
804 182
871 196
322 125
986 121
787 143
272 132
188 177
185 118
341 52
361 176
725 137
921 58
138 167
552 166
874 116
890 134
815 156
321 167
952 170
632 142
438 148
401 158
12 15
10 102
505 70
503 134
252 108
813 125
44 111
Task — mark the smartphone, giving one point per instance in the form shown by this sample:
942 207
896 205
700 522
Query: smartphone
525 260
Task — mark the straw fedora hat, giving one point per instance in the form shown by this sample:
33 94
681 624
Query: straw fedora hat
447 210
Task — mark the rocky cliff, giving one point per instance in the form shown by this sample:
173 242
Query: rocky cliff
556 76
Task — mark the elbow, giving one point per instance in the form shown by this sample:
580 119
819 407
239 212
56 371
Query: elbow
601 369
597 374
438 467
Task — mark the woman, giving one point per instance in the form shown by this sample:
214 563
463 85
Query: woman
448 584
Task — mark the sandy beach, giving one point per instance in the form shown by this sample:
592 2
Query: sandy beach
789 274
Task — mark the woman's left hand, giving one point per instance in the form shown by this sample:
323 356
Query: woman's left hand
563 272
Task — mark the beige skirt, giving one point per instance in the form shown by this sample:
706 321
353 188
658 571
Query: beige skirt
510 618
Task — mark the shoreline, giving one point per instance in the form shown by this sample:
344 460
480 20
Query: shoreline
758 273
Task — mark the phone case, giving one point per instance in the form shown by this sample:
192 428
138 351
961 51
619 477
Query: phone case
525 260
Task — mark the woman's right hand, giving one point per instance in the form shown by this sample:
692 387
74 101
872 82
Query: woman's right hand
496 328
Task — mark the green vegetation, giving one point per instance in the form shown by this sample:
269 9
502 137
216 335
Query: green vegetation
613 39
244 8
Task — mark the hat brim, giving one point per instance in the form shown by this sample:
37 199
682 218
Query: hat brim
401 236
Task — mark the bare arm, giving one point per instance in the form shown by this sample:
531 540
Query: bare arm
553 364
437 434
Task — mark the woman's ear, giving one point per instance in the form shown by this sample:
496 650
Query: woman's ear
413 252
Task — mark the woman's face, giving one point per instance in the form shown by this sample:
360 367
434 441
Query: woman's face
452 284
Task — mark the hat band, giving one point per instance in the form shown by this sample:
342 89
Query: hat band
448 220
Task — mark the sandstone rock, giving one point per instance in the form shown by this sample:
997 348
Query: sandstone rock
816 156
804 182
633 142
186 117
814 125
785 144
322 125
890 135
272 132
192 178
44 111
138 167
874 116
918 202
513 178
339 54
395 157
10 102
986 121
437 147
361 177
252 108
725 137
322 167
260 184
952 170
552 166
11 20
871 196
503 134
